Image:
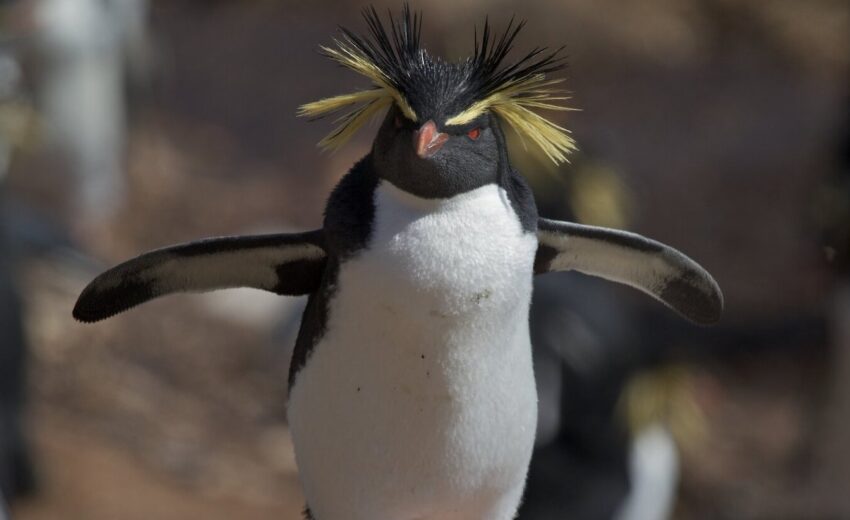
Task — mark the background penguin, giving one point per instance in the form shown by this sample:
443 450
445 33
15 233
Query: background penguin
87 51
603 448
412 393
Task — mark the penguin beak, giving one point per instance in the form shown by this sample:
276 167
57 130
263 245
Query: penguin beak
427 140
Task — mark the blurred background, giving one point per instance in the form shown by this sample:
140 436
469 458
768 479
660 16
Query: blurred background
720 127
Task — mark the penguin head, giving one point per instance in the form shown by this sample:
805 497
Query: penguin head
432 159
441 133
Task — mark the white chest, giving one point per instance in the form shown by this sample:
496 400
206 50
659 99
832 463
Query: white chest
421 390
450 260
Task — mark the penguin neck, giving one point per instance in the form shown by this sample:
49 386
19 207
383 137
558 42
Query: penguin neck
409 200
419 204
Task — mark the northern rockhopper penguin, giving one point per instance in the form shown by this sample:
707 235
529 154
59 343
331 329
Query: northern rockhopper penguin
412 393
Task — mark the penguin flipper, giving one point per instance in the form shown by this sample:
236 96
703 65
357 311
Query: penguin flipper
649 266
287 263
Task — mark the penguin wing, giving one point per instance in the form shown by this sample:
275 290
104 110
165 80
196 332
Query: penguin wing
289 264
652 267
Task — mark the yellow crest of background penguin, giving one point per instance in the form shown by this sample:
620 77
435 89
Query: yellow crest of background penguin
412 392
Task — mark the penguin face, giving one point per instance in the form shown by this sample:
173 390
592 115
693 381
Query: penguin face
431 159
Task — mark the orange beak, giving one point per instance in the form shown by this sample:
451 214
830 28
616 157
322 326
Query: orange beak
428 140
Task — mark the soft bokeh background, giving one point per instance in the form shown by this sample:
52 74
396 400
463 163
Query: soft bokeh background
724 121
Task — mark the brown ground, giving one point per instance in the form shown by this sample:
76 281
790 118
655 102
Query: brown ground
96 479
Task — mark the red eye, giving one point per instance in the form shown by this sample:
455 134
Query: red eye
397 122
474 133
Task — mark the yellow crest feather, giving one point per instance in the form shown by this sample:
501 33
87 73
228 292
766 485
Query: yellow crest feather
402 73
371 101
514 103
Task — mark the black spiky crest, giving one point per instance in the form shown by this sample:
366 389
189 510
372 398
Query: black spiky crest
426 87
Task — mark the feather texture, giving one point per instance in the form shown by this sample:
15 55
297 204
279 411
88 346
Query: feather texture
424 87
514 103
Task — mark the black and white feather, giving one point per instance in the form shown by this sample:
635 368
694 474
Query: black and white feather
290 264
649 266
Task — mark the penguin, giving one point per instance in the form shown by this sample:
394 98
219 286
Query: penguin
411 387
609 394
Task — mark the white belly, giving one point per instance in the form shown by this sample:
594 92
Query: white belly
420 399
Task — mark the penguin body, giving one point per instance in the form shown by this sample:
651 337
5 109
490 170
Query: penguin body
412 392
425 358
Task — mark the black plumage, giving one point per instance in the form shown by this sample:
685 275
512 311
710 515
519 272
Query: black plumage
436 88
453 94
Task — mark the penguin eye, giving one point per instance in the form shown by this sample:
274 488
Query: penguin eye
474 133
397 121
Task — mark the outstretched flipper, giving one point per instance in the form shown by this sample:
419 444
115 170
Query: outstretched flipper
289 264
652 267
